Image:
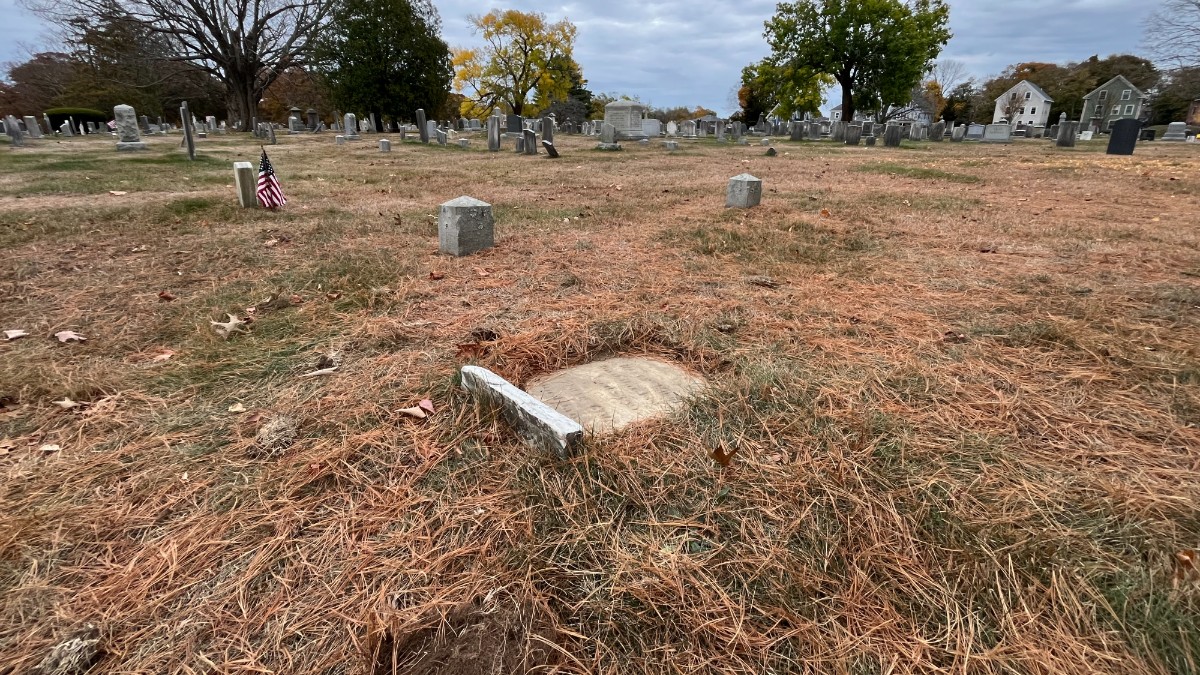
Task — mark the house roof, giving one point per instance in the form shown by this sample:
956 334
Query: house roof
1123 81
836 107
1036 89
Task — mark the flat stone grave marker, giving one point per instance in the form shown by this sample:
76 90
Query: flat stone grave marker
610 395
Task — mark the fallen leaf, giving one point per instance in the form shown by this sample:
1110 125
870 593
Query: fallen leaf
825 213
50 447
296 299
436 276
1187 566
165 296
482 272
139 249
414 411
237 408
69 336
332 296
117 193
270 243
165 355
426 405
233 325
67 403
15 334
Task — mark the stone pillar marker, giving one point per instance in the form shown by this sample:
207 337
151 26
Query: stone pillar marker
185 116
547 129
493 134
128 136
422 129
530 142
744 191
465 226
246 183
385 145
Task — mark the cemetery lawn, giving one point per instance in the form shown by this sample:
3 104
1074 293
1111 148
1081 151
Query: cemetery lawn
957 387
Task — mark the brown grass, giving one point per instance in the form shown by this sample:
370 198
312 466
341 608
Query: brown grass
963 428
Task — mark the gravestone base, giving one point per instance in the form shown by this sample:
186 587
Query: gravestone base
609 147
870 141
131 145
671 145
610 395
352 137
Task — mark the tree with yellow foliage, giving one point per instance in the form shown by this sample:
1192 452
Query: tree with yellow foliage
523 55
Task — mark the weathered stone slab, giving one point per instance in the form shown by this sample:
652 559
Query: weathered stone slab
538 424
385 145
422 127
892 135
550 149
612 394
246 183
128 135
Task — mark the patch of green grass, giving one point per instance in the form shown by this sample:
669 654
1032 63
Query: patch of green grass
924 173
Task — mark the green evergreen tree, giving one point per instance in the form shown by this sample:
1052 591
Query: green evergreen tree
385 57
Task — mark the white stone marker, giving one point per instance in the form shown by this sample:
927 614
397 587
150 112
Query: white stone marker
129 137
538 424
246 183
385 145
339 140
465 226
744 191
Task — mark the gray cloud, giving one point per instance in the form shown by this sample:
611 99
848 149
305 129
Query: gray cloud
672 52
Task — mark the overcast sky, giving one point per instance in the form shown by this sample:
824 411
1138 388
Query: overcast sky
677 52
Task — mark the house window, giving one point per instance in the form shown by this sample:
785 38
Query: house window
1033 111
1125 95
1103 95
1021 111
1116 109
1026 96
1129 110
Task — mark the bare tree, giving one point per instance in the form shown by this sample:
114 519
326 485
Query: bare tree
1173 32
948 73
246 44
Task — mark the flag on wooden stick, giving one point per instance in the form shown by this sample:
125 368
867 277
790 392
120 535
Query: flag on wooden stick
270 195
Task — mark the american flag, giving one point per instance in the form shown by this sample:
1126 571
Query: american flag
269 193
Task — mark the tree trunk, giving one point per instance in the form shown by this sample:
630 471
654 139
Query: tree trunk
241 100
847 99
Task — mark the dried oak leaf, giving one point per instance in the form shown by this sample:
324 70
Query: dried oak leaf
67 403
436 276
69 336
165 296
426 405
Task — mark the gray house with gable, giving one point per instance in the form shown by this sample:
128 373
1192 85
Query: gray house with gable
1114 100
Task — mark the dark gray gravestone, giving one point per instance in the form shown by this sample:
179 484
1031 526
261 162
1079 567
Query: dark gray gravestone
513 125
891 135
1123 137
548 129
1146 135
422 127
1066 134
549 146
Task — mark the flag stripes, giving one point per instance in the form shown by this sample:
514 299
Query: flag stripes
270 195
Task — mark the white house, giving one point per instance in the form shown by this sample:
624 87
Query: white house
1025 103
